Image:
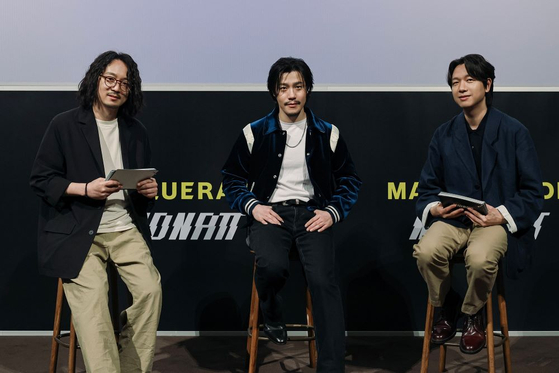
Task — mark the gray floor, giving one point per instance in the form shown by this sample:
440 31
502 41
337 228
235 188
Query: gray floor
227 354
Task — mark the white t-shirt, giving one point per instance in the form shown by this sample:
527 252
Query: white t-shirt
293 180
115 215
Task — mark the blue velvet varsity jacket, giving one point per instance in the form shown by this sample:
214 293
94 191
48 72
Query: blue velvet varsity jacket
251 171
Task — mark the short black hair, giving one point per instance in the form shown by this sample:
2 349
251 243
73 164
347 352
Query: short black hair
478 68
88 87
287 65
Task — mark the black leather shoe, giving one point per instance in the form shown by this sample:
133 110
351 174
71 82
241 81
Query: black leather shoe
276 333
473 334
444 328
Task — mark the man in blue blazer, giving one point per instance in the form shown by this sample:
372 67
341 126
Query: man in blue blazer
86 221
483 154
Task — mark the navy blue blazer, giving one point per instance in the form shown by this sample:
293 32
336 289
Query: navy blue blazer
71 152
510 176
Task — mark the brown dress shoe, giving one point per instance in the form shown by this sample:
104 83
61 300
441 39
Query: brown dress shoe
444 328
473 334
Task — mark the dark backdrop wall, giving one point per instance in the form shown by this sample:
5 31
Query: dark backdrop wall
199 242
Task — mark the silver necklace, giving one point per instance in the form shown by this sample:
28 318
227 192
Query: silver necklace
301 139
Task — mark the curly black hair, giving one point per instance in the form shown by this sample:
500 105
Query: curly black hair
88 87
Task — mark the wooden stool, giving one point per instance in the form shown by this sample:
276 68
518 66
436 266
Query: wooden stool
253 337
72 345
490 334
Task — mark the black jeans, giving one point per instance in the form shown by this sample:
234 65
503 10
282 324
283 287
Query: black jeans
271 244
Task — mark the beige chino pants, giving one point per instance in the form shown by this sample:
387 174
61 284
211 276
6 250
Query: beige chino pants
485 246
87 296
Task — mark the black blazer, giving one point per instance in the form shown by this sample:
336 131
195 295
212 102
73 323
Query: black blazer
71 152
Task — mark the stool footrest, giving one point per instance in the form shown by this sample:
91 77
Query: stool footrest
59 340
289 327
502 340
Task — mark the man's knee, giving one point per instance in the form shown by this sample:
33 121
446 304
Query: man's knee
272 271
429 253
481 264
91 291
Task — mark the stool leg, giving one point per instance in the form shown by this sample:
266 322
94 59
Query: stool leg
56 328
504 320
442 358
72 349
313 356
252 342
489 336
427 337
251 310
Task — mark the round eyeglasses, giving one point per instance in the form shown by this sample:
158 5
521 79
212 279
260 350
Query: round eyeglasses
111 82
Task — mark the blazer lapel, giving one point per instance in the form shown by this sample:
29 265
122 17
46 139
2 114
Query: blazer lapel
91 133
461 144
124 134
488 151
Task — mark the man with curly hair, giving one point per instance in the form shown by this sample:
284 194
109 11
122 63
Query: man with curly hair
87 221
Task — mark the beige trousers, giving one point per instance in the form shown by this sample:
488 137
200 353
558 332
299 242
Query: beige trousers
485 246
87 296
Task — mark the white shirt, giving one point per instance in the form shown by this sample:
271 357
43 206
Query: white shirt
293 180
115 215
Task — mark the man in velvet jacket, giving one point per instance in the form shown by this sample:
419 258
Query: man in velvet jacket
484 154
86 221
292 174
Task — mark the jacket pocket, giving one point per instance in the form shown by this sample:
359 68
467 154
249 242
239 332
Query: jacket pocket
64 224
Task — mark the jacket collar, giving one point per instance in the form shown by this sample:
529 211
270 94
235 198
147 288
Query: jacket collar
91 133
489 148
461 144
89 128
273 124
